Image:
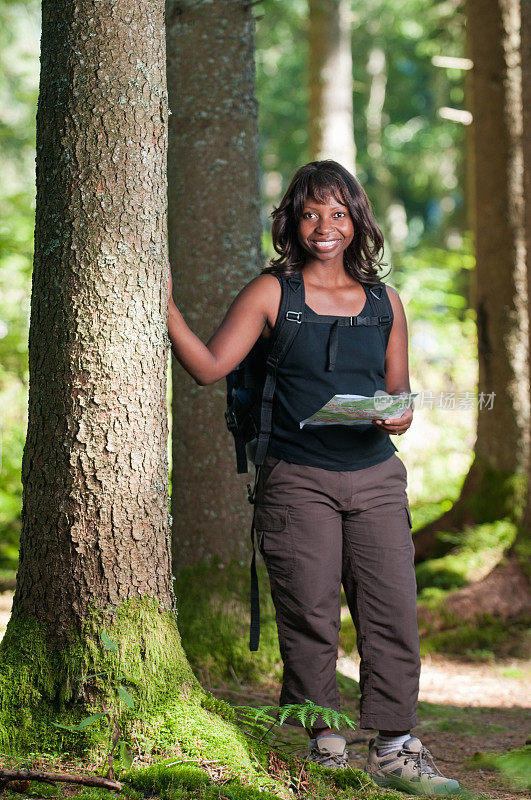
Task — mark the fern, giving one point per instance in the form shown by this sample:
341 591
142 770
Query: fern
264 719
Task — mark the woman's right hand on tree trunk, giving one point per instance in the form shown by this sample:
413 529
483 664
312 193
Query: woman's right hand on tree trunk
255 307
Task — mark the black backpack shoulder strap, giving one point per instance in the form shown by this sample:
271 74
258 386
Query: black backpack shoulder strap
286 328
288 325
381 307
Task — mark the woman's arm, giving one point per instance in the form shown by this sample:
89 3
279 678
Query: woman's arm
255 307
396 365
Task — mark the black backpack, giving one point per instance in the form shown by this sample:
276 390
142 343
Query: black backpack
251 386
251 389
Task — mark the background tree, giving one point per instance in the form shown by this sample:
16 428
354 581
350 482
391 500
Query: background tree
215 248
95 549
495 484
330 76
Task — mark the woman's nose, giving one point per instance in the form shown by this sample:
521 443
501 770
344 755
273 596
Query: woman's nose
324 225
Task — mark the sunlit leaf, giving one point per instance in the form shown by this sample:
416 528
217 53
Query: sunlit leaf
125 697
89 720
126 755
108 643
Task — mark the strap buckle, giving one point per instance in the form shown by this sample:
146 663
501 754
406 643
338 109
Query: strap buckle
231 420
359 321
384 319
294 316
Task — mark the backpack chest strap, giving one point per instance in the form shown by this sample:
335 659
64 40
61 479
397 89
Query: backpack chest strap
381 319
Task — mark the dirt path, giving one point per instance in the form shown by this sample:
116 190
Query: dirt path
451 681
465 708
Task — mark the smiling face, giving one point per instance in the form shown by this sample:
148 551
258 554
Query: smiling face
325 229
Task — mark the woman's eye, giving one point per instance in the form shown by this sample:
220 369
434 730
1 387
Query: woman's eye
340 214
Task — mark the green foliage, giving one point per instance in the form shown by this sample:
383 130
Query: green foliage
482 640
263 719
113 728
477 550
467 720
514 765
417 162
19 66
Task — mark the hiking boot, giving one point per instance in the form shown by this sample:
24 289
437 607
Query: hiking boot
408 769
328 751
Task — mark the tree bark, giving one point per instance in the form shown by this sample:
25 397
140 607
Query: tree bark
94 468
215 248
331 87
495 484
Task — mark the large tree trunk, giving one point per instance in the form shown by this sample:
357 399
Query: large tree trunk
495 484
93 487
95 550
330 69
215 248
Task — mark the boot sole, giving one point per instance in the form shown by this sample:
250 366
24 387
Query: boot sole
395 782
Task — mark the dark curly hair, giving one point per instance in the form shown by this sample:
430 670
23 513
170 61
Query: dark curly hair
320 180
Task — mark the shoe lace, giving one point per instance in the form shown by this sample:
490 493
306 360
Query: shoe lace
327 755
420 760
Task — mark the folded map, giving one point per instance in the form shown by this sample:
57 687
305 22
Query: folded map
353 409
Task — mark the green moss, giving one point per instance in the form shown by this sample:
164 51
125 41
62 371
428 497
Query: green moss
214 616
217 706
176 781
348 783
39 687
159 777
467 720
472 546
500 494
481 640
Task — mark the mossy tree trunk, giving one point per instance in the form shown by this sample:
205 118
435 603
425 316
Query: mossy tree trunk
215 248
95 545
495 484
330 71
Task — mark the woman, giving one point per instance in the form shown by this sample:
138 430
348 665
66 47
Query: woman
331 502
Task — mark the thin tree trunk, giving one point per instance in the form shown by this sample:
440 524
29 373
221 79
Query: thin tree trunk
330 70
387 208
95 545
521 545
495 484
215 248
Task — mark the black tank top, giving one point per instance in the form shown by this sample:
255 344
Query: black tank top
305 383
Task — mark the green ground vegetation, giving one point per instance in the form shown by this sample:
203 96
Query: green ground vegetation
514 765
39 688
214 625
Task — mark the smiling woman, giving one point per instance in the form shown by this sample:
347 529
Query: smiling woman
326 229
331 505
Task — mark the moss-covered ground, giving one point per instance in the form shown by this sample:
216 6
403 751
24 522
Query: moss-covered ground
138 656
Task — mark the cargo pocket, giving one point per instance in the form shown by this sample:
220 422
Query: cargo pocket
274 540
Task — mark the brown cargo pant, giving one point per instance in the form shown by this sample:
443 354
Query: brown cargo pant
318 528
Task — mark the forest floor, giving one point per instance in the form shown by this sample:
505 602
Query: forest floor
464 708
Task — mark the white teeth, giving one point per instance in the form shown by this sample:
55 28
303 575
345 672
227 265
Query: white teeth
326 245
